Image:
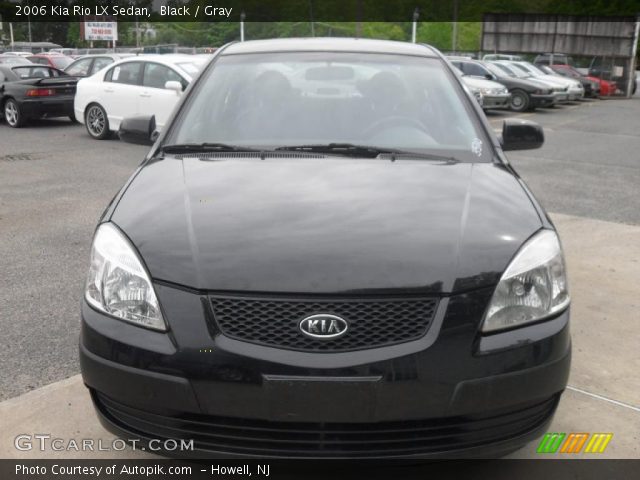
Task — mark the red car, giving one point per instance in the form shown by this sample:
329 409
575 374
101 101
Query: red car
54 60
607 87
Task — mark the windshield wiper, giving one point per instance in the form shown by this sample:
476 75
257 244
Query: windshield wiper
204 147
350 149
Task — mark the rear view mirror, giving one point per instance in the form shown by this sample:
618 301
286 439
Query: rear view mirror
138 130
521 135
173 85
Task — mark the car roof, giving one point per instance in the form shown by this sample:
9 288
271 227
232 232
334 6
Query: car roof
359 45
112 55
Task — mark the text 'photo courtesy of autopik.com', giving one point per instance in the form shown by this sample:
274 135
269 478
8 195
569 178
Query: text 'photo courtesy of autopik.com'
316 239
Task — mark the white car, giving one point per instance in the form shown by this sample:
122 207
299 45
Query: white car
488 93
143 85
493 94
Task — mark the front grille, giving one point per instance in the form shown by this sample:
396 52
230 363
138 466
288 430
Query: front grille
226 435
372 322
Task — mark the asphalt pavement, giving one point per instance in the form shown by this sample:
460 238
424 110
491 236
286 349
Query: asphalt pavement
55 182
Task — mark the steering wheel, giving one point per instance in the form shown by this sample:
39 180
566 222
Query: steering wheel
392 121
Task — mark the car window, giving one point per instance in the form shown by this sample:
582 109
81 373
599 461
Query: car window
100 62
127 73
39 60
475 69
283 99
32 72
156 75
80 67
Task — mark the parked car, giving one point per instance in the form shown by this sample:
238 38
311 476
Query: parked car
591 87
491 57
87 65
70 52
526 94
490 95
553 59
561 93
612 70
18 54
13 60
343 273
148 84
574 88
605 88
51 59
35 91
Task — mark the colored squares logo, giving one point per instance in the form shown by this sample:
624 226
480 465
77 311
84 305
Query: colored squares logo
574 442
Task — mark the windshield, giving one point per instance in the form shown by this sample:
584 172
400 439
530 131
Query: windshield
513 71
190 68
526 70
497 71
61 62
320 98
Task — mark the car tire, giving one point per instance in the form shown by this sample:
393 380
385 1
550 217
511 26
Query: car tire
520 101
12 114
96 121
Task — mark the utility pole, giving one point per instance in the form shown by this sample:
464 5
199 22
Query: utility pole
242 17
414 27
454 36
359 19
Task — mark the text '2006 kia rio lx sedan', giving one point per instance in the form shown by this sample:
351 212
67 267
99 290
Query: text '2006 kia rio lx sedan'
326 254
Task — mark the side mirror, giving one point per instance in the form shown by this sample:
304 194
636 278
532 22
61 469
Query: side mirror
488 76
138 130
521 135
173 85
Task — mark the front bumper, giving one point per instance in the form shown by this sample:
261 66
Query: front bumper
451 393
543 100
496 101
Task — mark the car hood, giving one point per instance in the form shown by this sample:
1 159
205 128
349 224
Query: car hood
329 225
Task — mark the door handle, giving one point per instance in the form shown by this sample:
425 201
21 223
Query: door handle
145 94
108 90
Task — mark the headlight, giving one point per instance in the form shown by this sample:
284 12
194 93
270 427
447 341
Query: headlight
533 287
118 283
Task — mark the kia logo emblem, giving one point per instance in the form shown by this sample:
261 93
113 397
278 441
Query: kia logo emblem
323 326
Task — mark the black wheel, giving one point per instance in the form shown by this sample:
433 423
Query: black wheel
96 121
12 114
520 101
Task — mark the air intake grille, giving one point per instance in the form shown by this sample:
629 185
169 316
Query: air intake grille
372 323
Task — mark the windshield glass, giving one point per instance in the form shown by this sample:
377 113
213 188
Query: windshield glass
526 70
317 98
497 71
190 68
61 62
513 71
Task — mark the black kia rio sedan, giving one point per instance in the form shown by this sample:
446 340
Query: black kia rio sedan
326 253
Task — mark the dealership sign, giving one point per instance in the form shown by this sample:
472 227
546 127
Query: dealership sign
101 31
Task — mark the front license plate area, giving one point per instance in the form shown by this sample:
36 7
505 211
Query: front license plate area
322 399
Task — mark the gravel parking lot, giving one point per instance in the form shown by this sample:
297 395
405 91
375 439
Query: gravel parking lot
55 181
